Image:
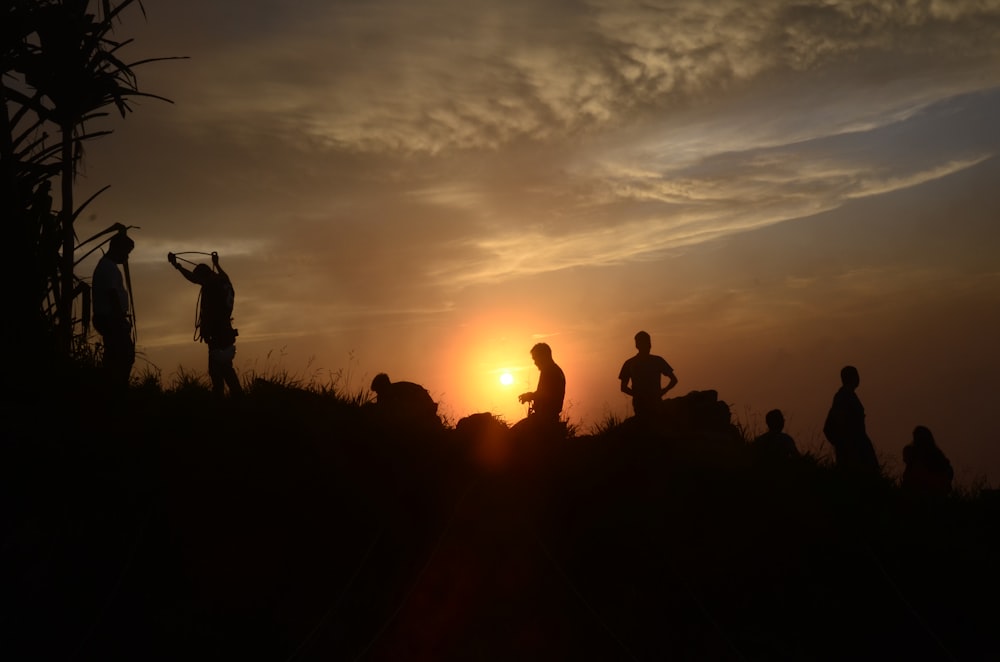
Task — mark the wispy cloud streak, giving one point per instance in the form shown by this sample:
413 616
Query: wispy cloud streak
442 75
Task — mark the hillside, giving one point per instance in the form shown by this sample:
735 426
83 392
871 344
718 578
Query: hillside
297 525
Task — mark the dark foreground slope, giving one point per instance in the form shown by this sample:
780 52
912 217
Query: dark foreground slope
294 526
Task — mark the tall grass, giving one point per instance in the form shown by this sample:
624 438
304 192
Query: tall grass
336 384
604 425
186 382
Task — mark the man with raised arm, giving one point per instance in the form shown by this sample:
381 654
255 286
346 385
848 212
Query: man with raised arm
215 322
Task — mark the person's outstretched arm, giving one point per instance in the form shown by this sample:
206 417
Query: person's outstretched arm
172 259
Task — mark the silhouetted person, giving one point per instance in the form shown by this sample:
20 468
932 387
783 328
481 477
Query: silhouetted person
111 311
215 322
927 471
845 426
774 442
546 400
404 401
640 376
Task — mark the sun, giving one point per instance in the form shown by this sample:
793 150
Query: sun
506 379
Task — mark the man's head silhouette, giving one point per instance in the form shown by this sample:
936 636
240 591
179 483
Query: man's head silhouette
849 377
202 273
541 353
119 247
775 420
380 383
643 342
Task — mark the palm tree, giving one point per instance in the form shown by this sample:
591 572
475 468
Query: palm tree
24 174
72 71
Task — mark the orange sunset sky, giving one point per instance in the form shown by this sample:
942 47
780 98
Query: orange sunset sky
772 190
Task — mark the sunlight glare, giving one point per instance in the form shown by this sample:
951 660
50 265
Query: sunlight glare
506 379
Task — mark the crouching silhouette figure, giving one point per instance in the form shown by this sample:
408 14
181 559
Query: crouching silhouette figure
404 402
928 472
775 443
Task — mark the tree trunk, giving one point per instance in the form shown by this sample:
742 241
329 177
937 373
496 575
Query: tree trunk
12 210
64 295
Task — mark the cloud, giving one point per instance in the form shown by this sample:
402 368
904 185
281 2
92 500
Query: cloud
366 155
637 205
447 75
868 186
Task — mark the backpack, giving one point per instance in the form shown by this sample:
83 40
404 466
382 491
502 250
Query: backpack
215 311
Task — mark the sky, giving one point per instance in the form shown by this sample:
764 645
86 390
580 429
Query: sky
772 190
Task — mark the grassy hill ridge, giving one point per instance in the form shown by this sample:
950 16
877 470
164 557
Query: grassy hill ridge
297 525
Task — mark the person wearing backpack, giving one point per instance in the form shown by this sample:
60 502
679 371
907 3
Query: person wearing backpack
214 325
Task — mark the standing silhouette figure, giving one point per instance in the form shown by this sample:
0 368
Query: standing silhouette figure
111 312
845 427
215 322
640 377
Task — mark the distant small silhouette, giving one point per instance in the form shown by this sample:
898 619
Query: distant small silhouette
927 471
111 311
845 426
640 377
404 401
215 323
774 442
546 401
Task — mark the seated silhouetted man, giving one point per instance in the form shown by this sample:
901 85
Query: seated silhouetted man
845 427
640 377
928 471
404 401
546 400
774 442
